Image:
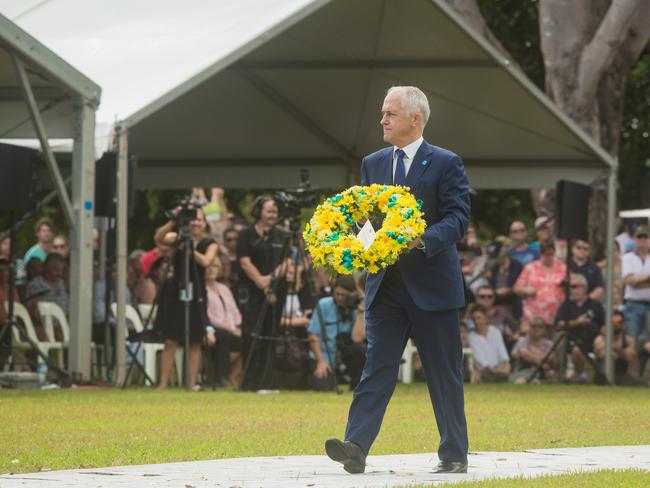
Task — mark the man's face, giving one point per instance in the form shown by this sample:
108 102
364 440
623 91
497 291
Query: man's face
398 126
485 297
578 289
581 250
269 213
518 232
59 245
340 296
642 241
44 234
54 270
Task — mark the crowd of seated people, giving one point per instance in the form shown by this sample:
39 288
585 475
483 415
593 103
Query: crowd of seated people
529 318
258 319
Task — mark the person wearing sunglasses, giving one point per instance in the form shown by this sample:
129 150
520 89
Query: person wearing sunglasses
581 263
636 276
521 250
498 316
60 246
581 318
530 351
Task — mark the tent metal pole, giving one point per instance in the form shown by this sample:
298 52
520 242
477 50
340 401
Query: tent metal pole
81 269
609 272
59 184
121 253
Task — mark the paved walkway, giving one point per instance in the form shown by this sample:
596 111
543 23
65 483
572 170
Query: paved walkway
319 471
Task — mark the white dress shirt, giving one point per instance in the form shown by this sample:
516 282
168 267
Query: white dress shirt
409 153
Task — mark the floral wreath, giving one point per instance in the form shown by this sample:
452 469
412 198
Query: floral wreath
331 243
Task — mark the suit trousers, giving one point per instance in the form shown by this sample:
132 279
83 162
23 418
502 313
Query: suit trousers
391 320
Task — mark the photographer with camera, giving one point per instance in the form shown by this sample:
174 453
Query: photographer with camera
581 317
331 340
186 225
260 250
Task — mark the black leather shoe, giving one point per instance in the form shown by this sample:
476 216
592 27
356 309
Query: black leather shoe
346 453
451 467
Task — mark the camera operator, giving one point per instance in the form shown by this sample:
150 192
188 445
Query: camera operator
581 317
259 249
171 315
331 341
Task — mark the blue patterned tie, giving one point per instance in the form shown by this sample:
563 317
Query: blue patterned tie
400 169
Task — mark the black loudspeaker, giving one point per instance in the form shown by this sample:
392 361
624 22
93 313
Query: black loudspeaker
106 185
572 210
17 166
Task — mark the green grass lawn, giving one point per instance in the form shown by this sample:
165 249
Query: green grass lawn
71 429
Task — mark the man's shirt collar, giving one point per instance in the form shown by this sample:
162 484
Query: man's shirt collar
411 149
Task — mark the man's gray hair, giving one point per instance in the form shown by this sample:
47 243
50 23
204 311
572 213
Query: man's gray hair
413 101
580 278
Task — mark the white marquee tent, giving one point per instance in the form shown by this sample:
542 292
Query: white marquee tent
242 93
41 95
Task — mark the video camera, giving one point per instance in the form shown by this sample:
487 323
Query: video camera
187 212
290 202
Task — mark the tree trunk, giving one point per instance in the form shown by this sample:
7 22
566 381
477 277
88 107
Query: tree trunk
589 48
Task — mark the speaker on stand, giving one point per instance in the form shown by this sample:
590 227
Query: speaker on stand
572 210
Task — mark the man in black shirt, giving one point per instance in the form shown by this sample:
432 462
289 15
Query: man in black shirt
581 263
262 288
581 317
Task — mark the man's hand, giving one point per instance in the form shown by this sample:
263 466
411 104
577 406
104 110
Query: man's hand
502 292
637 280
211 338
270 297
322 370
530 291
417 242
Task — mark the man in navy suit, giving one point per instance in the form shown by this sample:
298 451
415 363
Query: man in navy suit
420 295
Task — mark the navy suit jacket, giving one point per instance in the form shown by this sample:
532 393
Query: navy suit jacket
437 177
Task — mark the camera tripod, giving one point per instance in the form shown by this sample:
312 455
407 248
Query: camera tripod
564 334
291 241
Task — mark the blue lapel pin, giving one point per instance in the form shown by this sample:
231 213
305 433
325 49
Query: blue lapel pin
424 163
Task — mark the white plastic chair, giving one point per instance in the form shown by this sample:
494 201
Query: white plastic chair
148 317
408 366
21 313
50 311
150 349
467 353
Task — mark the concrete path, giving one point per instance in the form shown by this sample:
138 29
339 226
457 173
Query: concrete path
319 471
